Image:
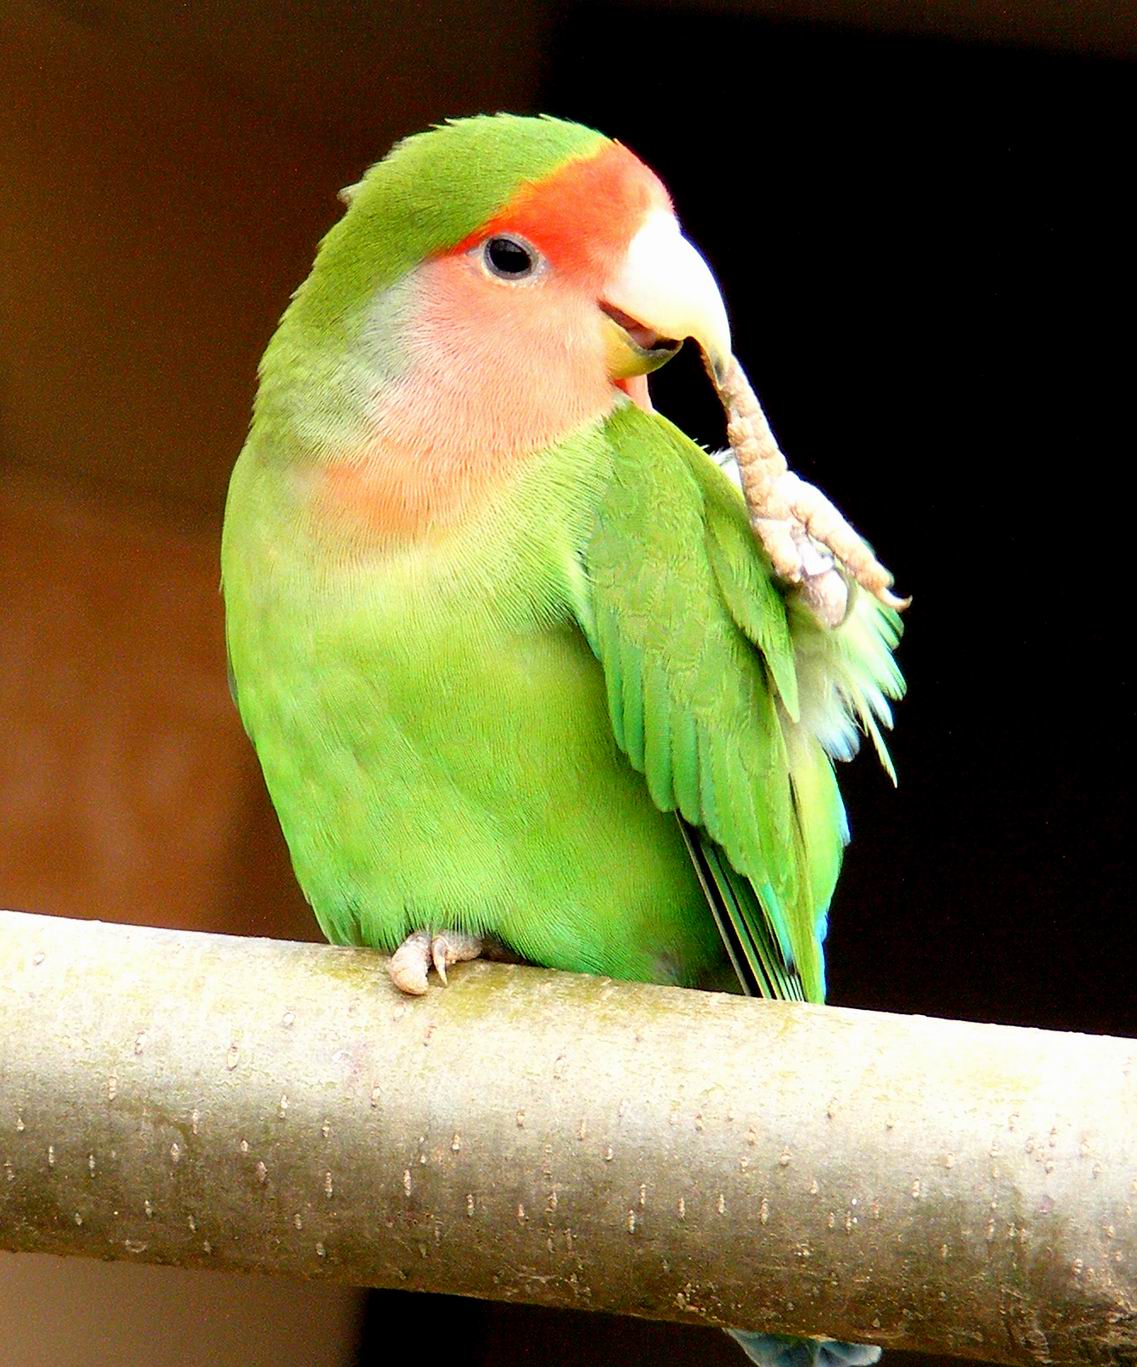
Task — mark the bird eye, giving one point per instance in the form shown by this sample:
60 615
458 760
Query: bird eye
509 258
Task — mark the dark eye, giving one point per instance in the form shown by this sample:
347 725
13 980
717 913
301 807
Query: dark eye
509 258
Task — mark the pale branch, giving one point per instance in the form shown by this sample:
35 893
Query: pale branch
526 1135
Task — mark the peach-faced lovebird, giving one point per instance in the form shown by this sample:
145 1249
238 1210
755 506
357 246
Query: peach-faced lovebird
517 670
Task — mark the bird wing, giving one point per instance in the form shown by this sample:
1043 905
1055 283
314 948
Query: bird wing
721 694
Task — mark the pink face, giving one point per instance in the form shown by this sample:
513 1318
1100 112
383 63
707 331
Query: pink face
502 363
541 328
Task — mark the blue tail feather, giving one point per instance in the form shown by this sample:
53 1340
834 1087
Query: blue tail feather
779 1350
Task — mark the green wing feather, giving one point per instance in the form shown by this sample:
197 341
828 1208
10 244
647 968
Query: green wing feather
754 955
727 700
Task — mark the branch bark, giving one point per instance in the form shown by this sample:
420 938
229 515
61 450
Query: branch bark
525 1135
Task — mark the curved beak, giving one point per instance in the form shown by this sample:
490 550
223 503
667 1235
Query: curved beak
663 293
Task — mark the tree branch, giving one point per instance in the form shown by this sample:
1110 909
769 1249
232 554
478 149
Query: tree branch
525 1135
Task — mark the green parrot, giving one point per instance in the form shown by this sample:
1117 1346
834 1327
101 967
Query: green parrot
517 671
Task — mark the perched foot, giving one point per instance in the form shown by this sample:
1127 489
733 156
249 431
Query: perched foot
411 962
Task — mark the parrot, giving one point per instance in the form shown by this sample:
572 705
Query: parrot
518 673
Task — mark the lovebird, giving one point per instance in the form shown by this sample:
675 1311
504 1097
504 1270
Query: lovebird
519 674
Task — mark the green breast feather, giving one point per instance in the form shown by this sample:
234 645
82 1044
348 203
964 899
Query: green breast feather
493 735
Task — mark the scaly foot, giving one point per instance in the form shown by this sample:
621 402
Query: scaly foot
809 543
410 963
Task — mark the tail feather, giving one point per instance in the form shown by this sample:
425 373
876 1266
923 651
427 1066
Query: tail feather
847 676
779 1350
751 942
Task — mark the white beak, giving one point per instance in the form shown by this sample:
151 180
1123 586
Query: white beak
666 286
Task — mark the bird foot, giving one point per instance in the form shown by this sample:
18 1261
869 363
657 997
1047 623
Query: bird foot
809 543
411 962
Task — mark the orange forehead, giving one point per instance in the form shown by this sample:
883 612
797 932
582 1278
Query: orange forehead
583 216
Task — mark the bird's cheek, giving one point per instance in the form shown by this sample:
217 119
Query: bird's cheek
562 334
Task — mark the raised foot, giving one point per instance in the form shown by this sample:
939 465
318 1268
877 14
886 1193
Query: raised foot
411 962
809 543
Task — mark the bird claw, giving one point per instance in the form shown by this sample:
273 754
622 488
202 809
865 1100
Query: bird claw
809 543
808 564
453 947
410 964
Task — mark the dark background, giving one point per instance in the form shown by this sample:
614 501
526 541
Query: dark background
923 239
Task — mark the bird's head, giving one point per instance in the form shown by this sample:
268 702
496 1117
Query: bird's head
582 259
493 284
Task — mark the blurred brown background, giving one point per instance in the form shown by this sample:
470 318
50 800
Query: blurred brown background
165 173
